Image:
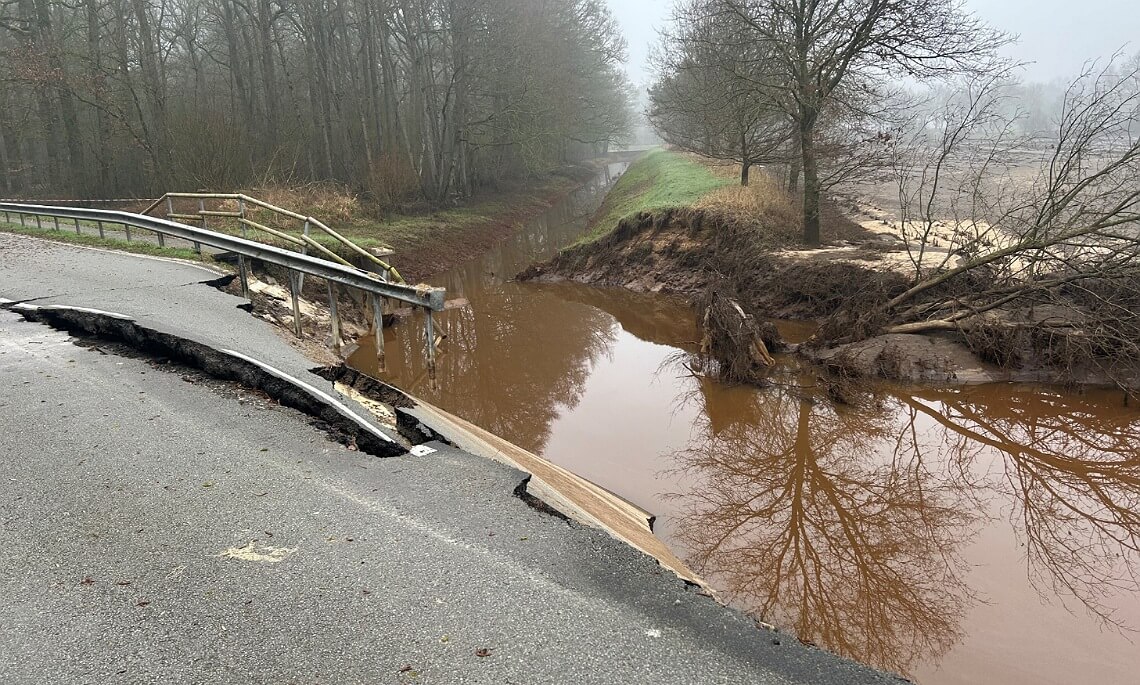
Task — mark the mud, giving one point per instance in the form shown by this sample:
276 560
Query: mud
701 255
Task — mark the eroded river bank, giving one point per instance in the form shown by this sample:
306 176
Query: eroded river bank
980 534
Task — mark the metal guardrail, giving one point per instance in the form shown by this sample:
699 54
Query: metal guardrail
430 299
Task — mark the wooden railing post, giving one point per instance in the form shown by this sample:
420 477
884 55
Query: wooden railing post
304 250
202 213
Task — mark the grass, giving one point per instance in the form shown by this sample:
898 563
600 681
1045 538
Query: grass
135 247
764 205
425 242
345 212
659 180
403 230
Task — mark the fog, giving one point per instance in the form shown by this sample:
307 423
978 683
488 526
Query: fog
1056 36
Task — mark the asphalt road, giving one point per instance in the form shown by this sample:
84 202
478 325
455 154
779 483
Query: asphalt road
159 526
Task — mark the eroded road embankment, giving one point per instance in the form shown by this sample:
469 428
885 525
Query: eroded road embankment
167 526
165 308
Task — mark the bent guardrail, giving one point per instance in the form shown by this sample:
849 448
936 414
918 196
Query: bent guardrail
429 298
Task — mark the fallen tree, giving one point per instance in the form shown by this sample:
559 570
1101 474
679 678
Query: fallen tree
1047 264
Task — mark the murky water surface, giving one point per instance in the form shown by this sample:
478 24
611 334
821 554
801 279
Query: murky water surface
980 535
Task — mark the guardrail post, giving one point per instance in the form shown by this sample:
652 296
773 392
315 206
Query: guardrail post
378 327
126 227
39 224
55 222
22 221
293 294
7 219
334 317
77 227
429 324
243 275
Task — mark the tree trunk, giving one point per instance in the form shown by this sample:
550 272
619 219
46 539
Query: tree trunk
389 108
303 141
264 21
317 100
105 180
72 177
746 163
811 181
233 53
374 129
32 41
154 115
4 166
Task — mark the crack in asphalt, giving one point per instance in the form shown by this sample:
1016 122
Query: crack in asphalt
331 416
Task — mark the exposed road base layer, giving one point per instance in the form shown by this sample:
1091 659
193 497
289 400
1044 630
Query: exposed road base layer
567 493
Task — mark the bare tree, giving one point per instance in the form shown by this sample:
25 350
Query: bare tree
709 96
1051 255
834 53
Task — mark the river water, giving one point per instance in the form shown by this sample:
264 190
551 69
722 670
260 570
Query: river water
978 535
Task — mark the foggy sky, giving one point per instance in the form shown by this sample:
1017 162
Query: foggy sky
1058 36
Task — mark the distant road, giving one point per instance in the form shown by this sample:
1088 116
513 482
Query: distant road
164 527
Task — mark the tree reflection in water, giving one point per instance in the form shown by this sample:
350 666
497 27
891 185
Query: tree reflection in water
517 395
1070 475
848 524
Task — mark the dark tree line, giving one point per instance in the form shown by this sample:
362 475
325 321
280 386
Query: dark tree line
409 100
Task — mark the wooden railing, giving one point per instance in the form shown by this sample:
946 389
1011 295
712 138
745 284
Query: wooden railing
304 242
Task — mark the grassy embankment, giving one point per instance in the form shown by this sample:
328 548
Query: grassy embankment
659 180
665 180
425 243
428 243
683 225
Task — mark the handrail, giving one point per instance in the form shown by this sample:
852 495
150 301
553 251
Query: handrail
240 215
429 298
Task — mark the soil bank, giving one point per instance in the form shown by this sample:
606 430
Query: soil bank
712 254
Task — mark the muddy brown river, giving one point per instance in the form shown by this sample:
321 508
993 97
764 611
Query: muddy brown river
978 535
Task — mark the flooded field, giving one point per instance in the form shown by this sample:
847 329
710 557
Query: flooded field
987 534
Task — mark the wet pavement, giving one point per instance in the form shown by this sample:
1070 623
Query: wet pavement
989 534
